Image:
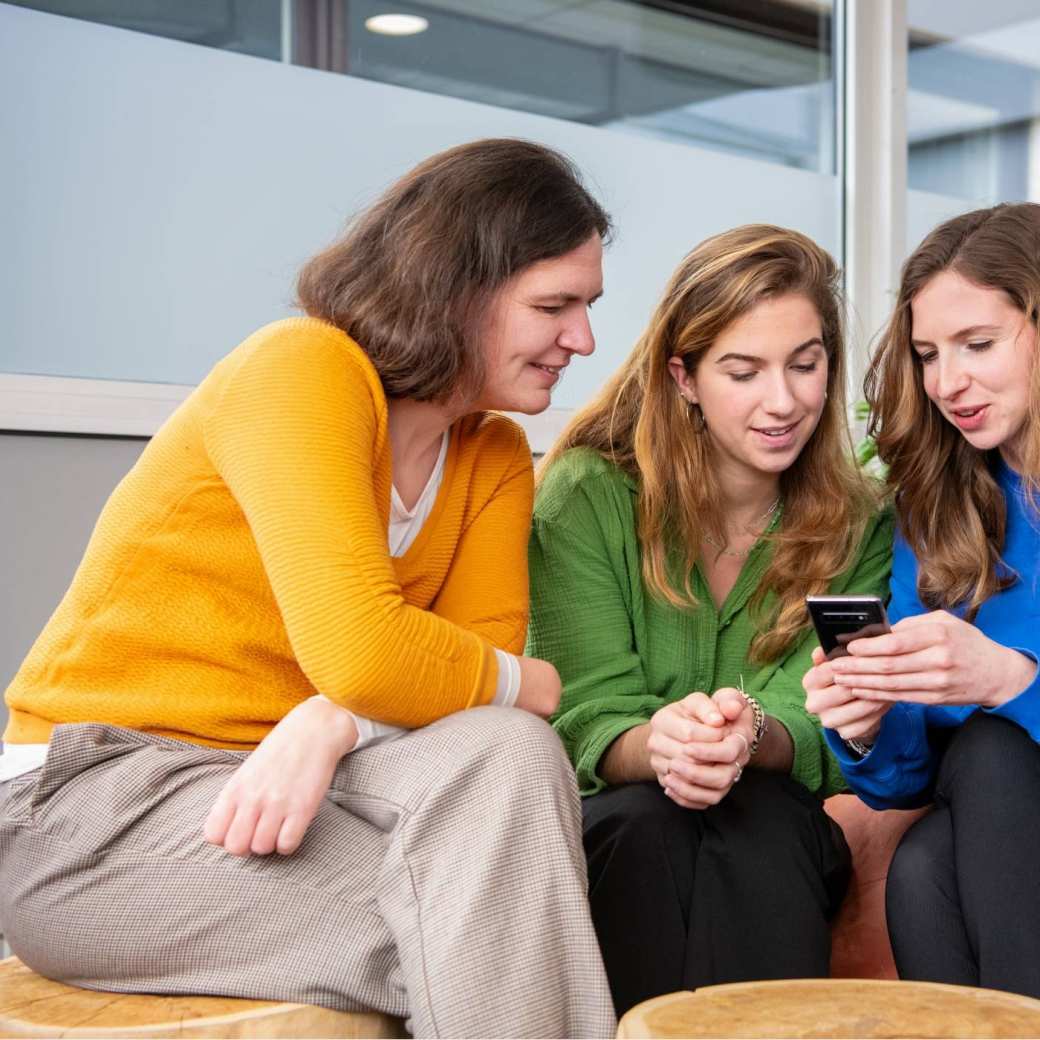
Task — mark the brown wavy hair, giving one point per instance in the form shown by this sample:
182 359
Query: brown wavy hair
950 508
413 275
641 424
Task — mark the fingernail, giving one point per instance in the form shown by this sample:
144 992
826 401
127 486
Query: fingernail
715 717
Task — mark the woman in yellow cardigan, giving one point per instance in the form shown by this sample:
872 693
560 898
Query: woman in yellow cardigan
327 542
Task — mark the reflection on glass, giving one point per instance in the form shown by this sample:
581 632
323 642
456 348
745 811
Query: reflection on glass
754 79
749 77
246 26
974 99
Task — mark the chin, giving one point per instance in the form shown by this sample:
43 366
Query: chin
527 405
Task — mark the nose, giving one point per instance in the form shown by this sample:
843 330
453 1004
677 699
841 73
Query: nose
779 400
576 335
950 377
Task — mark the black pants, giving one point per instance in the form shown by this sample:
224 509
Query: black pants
963 893
684 898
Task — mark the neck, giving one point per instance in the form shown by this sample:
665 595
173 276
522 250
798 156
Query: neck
747 498
416 428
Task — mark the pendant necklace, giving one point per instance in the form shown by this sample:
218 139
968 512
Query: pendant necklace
723 551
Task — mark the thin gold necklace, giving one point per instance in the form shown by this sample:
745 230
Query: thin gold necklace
723 551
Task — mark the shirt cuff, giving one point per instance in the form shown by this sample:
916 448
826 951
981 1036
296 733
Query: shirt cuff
368 730
1024 708
508 688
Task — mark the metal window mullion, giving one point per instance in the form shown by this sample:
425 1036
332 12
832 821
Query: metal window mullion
875 168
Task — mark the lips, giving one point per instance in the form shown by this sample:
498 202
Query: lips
776 437
969 418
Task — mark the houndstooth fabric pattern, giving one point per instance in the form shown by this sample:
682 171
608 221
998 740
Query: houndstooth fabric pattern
443 879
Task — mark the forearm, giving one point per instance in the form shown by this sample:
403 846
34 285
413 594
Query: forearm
776 751
627 760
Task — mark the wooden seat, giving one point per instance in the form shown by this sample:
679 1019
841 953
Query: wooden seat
834 1008
31 1005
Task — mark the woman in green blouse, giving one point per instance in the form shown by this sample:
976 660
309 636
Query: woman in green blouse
680 522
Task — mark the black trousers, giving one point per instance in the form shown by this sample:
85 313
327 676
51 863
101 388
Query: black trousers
684 898
963 893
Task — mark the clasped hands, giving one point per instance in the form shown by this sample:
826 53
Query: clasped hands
699 746
934 658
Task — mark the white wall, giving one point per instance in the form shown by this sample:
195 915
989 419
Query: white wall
53 490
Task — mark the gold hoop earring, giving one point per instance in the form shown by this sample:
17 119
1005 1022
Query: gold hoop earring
694 414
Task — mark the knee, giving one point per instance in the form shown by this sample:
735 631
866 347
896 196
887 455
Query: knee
916 866
989 754
518 749
631 816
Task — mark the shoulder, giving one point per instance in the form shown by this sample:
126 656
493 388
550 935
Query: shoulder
878 532
494 436
581 473
305 345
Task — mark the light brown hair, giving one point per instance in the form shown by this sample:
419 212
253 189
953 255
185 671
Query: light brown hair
412 277
640 423
950 508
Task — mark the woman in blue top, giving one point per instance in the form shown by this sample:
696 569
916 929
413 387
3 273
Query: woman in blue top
946 708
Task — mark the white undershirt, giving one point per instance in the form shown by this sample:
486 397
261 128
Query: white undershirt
405 525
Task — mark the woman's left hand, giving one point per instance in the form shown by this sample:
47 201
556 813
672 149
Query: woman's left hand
934 658
272 797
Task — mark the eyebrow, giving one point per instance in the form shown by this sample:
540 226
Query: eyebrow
752 360
564 297
967 333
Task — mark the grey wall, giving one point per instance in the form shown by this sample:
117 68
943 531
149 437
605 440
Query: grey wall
53 489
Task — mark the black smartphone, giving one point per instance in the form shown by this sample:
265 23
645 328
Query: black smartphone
840 619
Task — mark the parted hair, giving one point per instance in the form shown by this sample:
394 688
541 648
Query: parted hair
413 275
641 424
949 506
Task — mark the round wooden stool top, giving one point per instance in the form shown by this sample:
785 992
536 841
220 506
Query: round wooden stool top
31 1005
834 1008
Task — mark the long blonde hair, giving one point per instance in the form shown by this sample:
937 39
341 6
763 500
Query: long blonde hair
641 424
950 508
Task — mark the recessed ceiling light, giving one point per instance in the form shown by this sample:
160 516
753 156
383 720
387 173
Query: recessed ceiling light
396 24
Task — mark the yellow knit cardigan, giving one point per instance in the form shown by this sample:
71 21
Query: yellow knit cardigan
242 564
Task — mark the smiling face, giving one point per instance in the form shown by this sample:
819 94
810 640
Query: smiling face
976 351
761 386
534 326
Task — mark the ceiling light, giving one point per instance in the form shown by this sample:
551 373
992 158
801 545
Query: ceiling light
396 24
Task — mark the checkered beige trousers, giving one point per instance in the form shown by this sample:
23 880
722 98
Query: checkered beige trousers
442 879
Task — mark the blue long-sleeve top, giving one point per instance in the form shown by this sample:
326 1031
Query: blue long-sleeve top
900 770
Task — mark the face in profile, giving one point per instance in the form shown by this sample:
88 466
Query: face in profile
535 325
976 350
762 385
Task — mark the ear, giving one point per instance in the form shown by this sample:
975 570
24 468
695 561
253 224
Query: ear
683 380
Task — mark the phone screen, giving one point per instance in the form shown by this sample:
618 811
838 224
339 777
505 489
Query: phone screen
841 619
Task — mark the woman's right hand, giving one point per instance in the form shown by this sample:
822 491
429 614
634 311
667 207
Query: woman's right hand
540 687
271 798
674 730
852 718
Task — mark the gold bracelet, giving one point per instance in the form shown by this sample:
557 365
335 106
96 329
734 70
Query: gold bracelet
761 724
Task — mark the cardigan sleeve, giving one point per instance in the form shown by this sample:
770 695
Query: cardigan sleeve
295 434
485 591
581 622
779 686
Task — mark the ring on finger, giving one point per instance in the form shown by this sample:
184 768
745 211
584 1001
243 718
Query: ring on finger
739 773
747 746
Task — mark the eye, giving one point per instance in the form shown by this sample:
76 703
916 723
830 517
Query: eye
741 377
809 366
550 309
926 357
980 345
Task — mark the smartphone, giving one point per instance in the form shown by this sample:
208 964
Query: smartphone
840 619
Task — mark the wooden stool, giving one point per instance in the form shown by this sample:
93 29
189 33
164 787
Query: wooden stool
31 1005
837 1008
